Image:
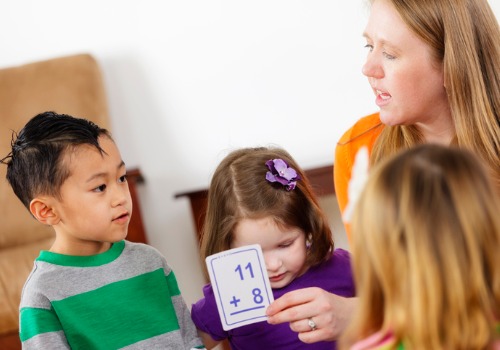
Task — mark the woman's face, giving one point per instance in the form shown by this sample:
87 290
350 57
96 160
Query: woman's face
406 79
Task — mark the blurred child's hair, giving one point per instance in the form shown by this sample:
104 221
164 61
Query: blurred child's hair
426 251
36 164
239 190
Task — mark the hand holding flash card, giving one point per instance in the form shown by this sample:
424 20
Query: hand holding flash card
241 285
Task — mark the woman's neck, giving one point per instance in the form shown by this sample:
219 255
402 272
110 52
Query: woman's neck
440 131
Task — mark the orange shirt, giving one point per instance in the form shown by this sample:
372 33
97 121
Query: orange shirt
363 133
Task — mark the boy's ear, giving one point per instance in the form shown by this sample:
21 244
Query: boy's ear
43 211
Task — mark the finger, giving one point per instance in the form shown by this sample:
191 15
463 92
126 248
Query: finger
290 299
295 313
319 334
301 326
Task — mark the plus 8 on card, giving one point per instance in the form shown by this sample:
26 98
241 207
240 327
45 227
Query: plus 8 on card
241 285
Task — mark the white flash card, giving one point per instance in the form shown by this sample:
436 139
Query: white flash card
241 285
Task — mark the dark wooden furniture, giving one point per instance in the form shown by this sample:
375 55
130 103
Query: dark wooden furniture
136 231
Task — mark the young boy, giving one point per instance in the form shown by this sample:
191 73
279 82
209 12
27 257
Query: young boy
92 289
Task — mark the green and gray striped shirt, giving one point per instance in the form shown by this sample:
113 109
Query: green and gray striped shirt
127 297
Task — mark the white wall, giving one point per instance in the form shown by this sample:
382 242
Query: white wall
189 80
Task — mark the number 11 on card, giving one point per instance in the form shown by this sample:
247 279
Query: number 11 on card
248 267
241 285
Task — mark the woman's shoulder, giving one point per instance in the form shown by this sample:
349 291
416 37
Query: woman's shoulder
368 126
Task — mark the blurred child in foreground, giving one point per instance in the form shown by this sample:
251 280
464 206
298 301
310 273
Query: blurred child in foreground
426 243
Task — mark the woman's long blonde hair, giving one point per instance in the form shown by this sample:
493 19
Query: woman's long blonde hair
465 38
426 243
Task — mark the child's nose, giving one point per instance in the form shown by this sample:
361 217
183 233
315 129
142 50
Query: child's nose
273 262
121 195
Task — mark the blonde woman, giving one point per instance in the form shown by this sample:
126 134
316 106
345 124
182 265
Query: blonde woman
434 69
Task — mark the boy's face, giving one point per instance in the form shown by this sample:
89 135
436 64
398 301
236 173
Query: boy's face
95 205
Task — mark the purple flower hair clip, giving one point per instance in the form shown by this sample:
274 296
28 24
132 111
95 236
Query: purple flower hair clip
279 171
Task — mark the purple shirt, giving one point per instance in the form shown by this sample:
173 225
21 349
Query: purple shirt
334 276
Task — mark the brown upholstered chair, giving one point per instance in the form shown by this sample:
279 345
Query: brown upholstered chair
71 85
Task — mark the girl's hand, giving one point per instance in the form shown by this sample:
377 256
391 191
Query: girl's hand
329 312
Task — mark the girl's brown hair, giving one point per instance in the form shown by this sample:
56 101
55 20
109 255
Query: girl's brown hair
426 243
239 190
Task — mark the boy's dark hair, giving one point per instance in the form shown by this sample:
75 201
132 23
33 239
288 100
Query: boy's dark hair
35 163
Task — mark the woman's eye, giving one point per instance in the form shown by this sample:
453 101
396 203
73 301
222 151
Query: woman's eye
389 56
100 188
122 179
369 47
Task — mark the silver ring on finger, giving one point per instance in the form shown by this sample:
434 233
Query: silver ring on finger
311 324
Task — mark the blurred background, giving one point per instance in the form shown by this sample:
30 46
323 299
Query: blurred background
188 81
